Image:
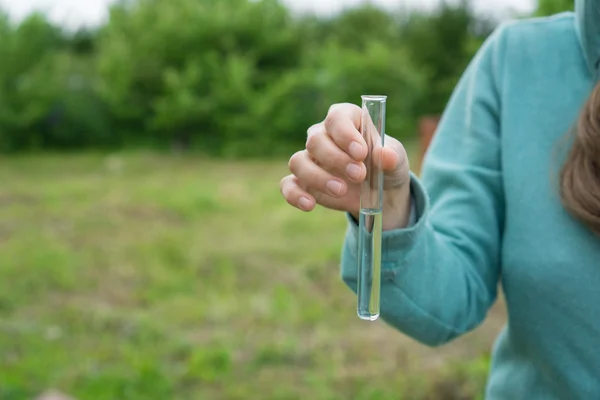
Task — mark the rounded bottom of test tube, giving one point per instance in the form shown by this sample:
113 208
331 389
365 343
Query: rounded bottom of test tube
368 317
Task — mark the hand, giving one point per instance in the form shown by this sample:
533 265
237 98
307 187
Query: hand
331 168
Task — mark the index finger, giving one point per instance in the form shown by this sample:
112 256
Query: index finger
342 124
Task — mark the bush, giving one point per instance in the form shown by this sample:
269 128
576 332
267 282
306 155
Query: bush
230 78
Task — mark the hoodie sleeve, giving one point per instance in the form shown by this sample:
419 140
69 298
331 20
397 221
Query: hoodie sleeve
440 274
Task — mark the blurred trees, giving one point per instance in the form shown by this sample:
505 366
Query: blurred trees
441 44
228 77
47 93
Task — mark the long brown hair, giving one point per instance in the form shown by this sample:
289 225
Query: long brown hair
580 175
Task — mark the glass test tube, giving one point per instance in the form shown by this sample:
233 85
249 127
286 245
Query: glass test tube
371 209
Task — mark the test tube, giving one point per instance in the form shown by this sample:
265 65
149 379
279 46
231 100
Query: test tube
371 209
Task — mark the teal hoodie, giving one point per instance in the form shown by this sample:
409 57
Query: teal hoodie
488 213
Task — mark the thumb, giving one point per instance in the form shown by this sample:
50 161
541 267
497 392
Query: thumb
389 159
392 156
394 163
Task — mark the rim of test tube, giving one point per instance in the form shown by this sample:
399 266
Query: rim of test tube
374 97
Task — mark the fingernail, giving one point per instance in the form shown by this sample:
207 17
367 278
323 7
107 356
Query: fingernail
355 150
353 171
304 203
335 187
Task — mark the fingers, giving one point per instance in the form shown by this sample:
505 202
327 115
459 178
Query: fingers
330 157
295 195
328 171
305 170
342 124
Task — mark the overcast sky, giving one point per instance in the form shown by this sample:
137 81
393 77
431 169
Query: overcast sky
79 12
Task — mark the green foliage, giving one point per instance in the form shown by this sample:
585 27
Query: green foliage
196 78
230 77
550 7
47 97
443 44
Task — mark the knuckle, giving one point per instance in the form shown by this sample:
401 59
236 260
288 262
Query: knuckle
348 109
332 116
288 189
289 197
311 143
295 160
315 129
353 112
330 120
354 109
334 107
283 183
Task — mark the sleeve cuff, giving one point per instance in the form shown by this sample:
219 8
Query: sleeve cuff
412 219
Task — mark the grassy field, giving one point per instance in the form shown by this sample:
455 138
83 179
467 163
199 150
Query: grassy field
148 276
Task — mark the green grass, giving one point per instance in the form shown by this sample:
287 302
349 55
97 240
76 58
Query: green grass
144 276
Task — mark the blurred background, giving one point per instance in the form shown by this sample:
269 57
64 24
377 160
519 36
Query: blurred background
145 250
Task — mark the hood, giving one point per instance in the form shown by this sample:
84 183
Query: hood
587 14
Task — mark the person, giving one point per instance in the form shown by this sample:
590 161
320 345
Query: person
509 194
